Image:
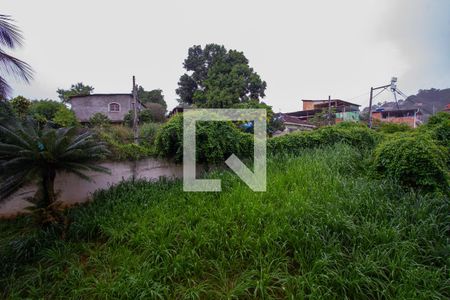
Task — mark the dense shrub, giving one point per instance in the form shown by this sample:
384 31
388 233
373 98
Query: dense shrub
45 109
295 143
439 118
215 142
64 117
99 120
413 161
157 112
129 151
120 142
147 133
350 124
121 134
438 127
20 105
154 113
441 133
387 127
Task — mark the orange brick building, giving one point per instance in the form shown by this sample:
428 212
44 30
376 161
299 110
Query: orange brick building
411 117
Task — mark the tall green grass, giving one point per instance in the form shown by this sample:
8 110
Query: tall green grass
322 230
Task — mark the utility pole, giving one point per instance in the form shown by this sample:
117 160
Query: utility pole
370 107
371 98
135 114
394 90
329 110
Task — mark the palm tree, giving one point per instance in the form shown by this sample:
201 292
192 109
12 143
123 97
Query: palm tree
28 153
11 37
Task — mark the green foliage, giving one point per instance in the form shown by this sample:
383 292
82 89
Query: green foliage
121 134
441 133
120 142
219 79
350 124
7 113
273 124
155 113
297 142
386 127
153 96
147 133
20 105
438 127
214 140
129 152
78 89
45 110
11 38
324 117
99 120
64 117
439 118
413 161
321 231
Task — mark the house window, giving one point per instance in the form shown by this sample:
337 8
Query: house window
114 107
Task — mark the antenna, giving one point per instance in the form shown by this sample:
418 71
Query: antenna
394 89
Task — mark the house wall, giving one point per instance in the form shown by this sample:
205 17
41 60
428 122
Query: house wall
308 105
347 116
410 121
85 107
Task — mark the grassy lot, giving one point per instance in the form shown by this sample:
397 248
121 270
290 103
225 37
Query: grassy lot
322 230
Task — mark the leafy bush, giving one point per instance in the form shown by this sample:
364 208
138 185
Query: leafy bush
438 127
45 109
295 143
64 117
129 151
121 134
386 127
156 113
273 123
216 141
20 105
99 120
439 118
413 161
349 125
441 133
120 142
148 132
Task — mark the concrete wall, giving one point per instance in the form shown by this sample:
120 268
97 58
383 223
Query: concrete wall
85 107
73 189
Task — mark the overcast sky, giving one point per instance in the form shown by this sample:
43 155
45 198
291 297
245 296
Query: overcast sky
302 49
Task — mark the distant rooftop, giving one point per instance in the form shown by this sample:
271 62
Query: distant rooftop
102 95
331 100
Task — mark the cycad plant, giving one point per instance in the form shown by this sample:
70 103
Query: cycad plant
29 153
11 37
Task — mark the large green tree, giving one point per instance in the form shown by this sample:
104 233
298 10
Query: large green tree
78 89
217 77
153 96
11 38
